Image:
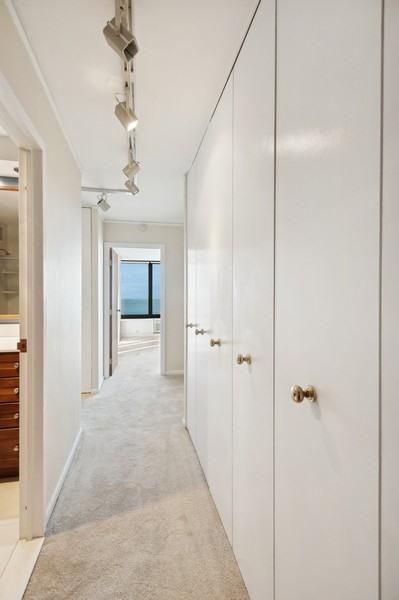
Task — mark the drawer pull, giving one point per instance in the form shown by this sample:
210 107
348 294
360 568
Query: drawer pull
16 448
16 416
16 366
16 391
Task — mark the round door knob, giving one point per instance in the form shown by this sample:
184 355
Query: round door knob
16 391
190 325
241 359
199 332
298 394
16 448
213 342
16 416
16 365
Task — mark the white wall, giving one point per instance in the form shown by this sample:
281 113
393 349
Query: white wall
139 253
390 308
86 301
92 299
8 150
62 256
172 236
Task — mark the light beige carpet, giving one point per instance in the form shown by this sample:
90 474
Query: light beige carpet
135 520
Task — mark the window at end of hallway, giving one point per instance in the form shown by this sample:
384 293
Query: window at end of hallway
140 289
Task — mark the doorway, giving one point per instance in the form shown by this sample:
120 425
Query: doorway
9 354
21 345
133 303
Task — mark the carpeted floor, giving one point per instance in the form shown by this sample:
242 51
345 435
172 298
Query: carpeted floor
135 520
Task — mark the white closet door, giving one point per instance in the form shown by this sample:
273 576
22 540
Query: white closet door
219 375
191 324
390 313
199 205
253 251
327 299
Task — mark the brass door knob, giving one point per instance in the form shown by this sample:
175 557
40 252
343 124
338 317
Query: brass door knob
199 332
213 342
298 394
16 448
16 391
241 359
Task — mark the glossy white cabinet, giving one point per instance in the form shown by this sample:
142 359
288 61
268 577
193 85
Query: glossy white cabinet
327 299
191 324
253 260
288 247
210 183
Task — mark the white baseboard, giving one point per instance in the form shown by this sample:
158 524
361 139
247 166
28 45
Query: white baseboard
174 372
61 480
98 389
17 573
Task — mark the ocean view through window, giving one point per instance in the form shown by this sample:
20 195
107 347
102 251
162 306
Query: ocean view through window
140 288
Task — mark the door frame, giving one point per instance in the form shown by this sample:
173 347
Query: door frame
149 246
18 125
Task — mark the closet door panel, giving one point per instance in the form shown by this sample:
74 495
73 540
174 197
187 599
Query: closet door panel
327 299
219 231
200 205
191 372
253 252
390 313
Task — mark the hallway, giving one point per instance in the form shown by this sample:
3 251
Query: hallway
135 519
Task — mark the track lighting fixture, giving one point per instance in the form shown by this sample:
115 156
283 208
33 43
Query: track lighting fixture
119 34
121 40
132 187
131 169
102 202
126 116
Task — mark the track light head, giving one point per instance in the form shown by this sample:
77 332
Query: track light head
131 169
126 116
132 187
102 202
121 40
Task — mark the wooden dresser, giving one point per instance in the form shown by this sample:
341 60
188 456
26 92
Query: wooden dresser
9 414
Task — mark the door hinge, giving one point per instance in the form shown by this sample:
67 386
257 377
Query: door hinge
23 345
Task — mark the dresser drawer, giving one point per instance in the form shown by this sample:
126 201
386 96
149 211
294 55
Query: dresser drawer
9 415
9 389
9 368
9 444
9 467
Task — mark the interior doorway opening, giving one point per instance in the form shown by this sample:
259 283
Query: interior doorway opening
140 299
133 303
9 354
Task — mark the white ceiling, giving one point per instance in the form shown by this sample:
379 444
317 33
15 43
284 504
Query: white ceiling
186 50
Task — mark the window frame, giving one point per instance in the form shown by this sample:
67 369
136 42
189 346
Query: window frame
150 314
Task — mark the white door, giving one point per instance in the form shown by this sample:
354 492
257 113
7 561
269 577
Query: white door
191 312
219 236
327 299
253 252
210 203
199 205
114 309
